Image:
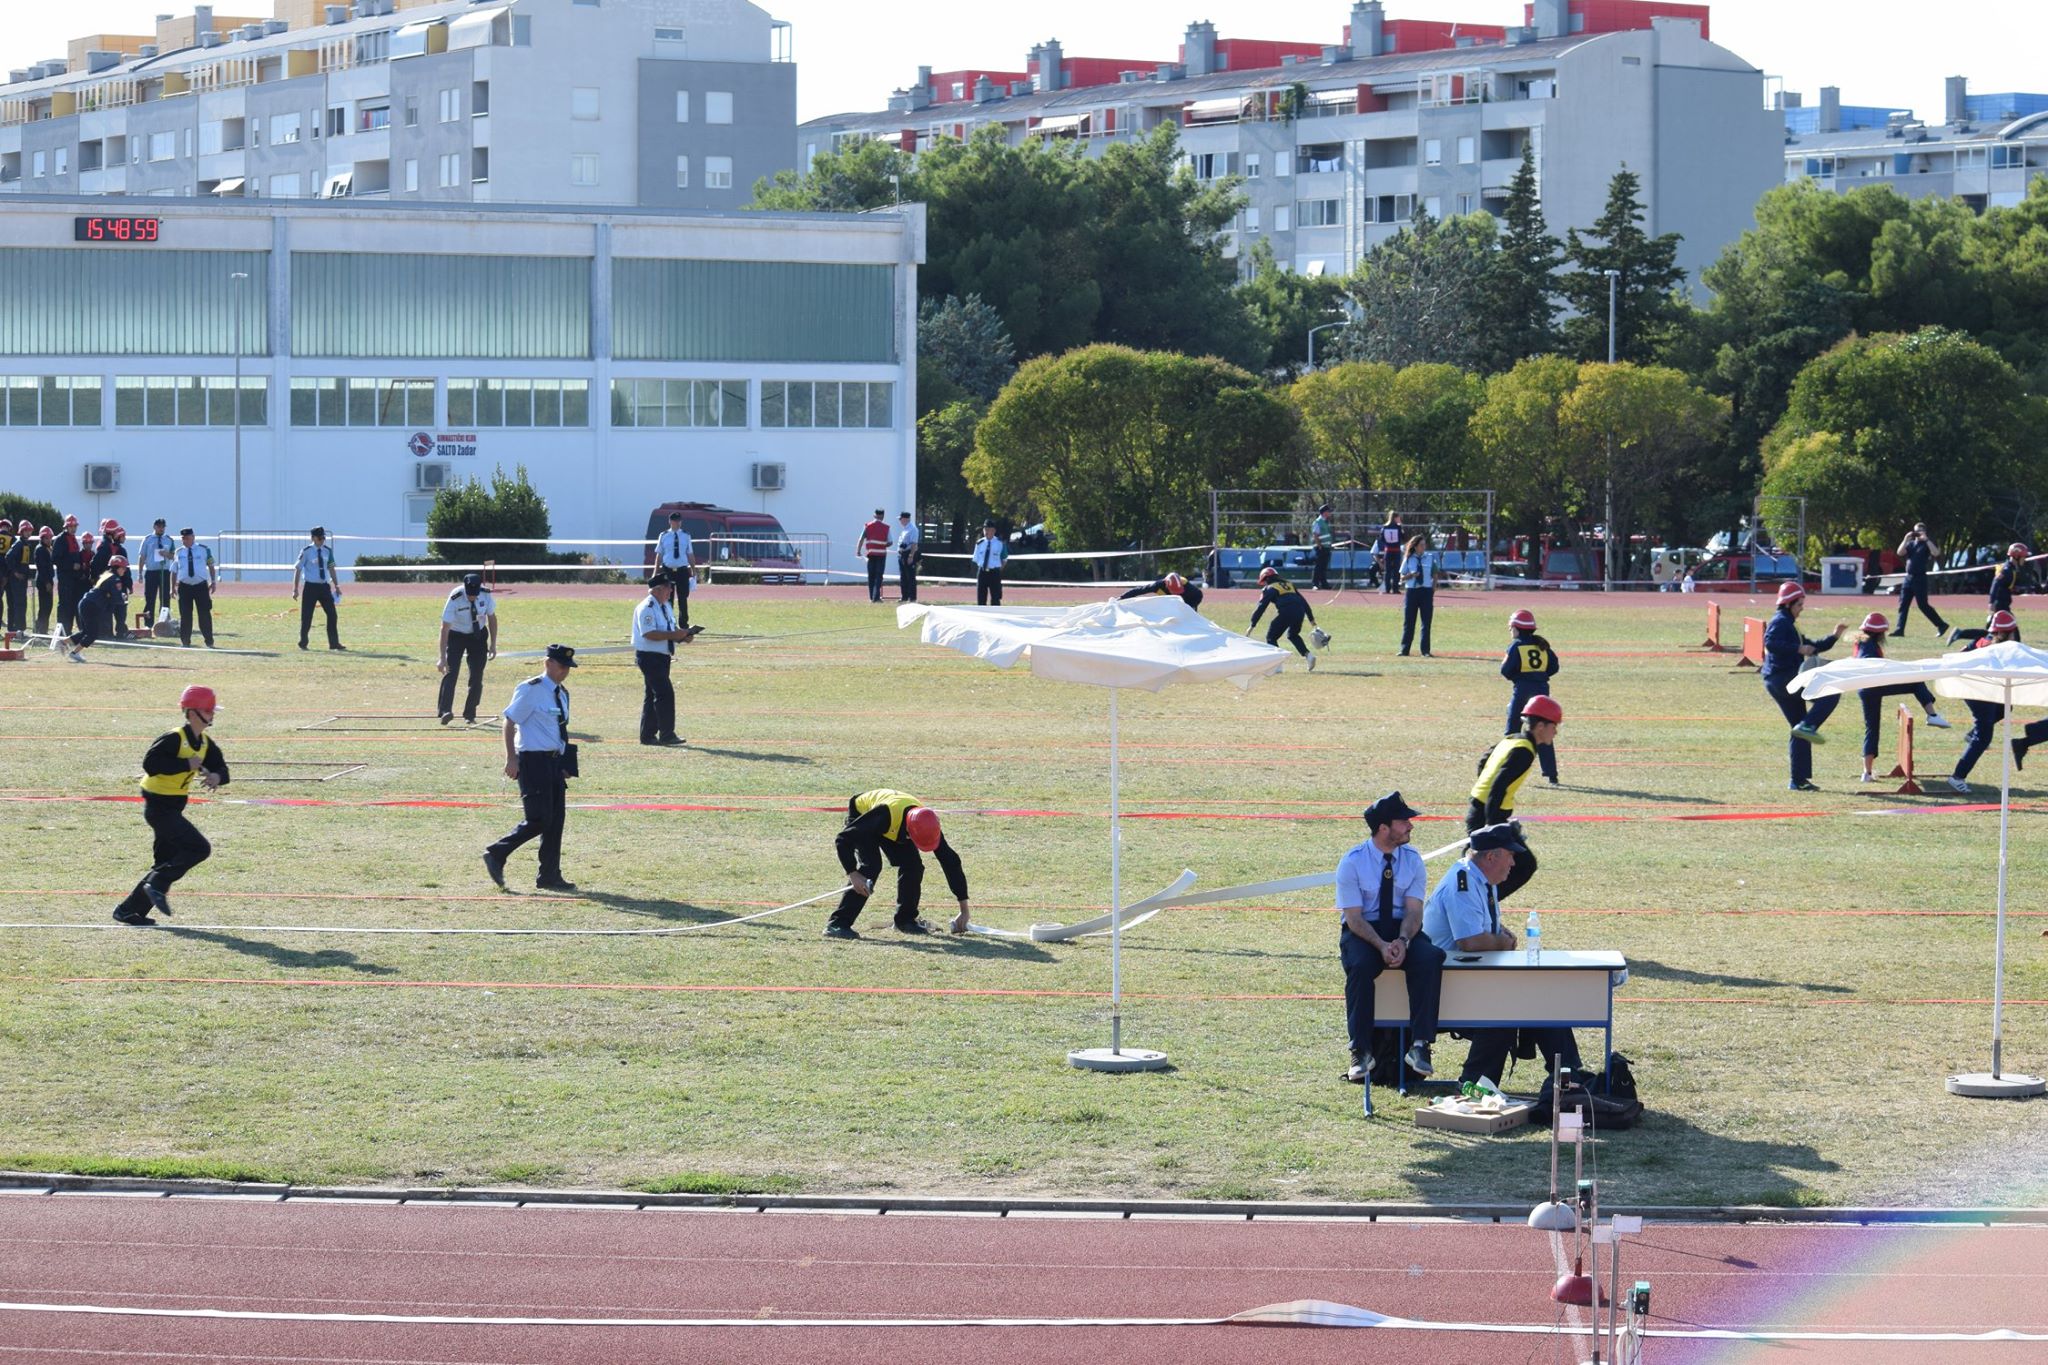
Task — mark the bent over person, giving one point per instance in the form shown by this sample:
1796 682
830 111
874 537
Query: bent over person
469 631
890 824
169 768
1290 609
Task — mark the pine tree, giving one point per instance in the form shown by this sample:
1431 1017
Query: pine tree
1524 287
1648 304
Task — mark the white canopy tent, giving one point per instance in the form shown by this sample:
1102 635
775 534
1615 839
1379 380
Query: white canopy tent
1148 643
2009 674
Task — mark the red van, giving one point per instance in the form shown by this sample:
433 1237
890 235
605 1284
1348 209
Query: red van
722 537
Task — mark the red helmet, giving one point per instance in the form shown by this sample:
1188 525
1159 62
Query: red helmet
117 562
1542 708
108 524
1523 620
197 698
45 531
1174 583
922 825
1876 624
1788 593
26 526
2017 551
88 539
2003 621
1268 574
69 522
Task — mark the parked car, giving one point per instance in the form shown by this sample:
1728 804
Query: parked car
723 537
1668 564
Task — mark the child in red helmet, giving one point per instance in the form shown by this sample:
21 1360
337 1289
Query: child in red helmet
1785 654
185 755
1870 645
1501 774
1986 715
2007 577
1290 609
1530 665
895 825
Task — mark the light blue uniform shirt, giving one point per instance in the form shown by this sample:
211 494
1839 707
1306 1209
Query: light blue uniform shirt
672 551
1462 906
316 564
540 708
989 553
1358 879
1420 570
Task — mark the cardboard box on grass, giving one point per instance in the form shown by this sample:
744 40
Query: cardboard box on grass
1484 1125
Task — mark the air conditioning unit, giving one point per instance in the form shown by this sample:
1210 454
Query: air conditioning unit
103 478
771 478
431 476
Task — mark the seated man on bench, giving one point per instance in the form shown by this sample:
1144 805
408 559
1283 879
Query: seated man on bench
1463 916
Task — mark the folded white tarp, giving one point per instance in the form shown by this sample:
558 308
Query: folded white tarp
1148 643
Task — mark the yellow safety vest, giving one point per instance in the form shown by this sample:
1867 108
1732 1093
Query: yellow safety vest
1497 760
179 783
899 803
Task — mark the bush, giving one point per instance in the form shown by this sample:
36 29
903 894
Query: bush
510 507
15 508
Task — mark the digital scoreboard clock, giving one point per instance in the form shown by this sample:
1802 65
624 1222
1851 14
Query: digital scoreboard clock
105 228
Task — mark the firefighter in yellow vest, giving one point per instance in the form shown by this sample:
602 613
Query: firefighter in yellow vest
893 825
177 760
1501 777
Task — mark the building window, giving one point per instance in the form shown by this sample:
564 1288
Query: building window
284 186
668 35
361 402
583 168
337 122
373 117
1389 208
1468 150
718 106
162 147
63 165
1213 165
1252 163
451 170
679 402
451 105
1967 159
518 403
1283 219
1821 167
1251 219
189 134
1433 152
51 400
161 400
39 164
1319 212
682 106
1433 206
1328 156
682 172
583 102
825 404
717 172
284 128
2002 159
412 111
412 176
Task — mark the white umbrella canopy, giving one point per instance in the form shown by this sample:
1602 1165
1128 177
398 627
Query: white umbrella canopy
2005 675
1148 643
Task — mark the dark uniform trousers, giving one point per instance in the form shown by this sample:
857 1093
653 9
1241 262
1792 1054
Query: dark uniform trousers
195 597
45 593
156 591
95 616
1525 862
17 601
1320 577
1796 710
323 595
1490 1048
876 563
1289 627
658 695
1423 968
988 588
470 645
909 865
179 847
906 575
1419 604
1874 698
71 586
1914 589
544 801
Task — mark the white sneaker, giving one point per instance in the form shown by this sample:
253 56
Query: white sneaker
75 657
1311 663
1939 722
1869 777
1957 785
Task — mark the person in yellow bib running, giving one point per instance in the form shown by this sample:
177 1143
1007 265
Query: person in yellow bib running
895 825
170 767
1501 777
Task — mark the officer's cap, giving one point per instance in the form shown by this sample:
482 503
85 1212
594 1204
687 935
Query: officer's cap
565 655
675 516
661 580
158 522
472 582
1388 809
1498 836
317 531
184 530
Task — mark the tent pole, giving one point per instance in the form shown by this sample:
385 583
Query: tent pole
2004 825
1116 892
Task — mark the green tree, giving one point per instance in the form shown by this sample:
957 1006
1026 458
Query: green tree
1117 447
1641 430
1430 427
16 508
509 506
1344 411
1523 448
945 438
1283 306
1523 288
864 176
963 351
1422 296
1648 304
1848 500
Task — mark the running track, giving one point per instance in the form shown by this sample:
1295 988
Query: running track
426 1260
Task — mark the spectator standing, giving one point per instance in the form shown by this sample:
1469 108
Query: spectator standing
469 630
655 636
989 557
1419 567
874 543
1321 541
1916 553
672 557
157 548
909 555
1390 551
197 577
315 581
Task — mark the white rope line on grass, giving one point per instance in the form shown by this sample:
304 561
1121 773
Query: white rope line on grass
1300 1313
345 929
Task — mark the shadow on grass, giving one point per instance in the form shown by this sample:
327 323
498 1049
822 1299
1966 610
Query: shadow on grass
1651 970
675 912
963 945
1669 798
278 955
747 757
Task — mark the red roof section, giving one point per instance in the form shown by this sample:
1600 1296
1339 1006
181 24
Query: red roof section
944 81
1622 16
1081 72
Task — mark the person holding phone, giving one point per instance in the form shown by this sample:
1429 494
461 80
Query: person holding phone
1917 554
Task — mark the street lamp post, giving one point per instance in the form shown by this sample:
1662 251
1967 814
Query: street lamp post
238 277
1607 560
1341 322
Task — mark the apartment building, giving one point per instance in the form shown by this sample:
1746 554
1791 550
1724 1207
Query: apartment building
1984 150
625 357
1337 146
639 102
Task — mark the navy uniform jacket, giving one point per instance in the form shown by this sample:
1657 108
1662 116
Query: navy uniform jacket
1781 648
1919 558
2002 583
1288 606
1530 665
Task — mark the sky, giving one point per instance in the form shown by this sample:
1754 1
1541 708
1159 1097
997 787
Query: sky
1880 52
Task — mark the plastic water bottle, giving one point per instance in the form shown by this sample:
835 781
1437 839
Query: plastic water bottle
1532 940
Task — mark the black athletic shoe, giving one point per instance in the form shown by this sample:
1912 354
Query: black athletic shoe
670 739
1803 786
157 899
840 931
2019 754
556 885
134 917
342 648
916 926
447 717
495 865
302 644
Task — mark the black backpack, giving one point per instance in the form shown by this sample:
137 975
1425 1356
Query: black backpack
1609 1101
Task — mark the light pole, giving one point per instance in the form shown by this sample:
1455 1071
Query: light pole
238 277
1341 322
1607 560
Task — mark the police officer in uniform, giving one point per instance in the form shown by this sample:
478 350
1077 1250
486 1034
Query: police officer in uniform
157 548
1463 916
314 582
895 825
192 565
2003 582
909 553
1530 665
1321 540
672 558
1917 552
169 768
1418 600
990 555
539 757
1501 776
469 630
1290 609
1172 585
1380 888
655 636
1785 651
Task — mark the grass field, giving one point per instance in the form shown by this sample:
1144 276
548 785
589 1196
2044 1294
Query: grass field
1799 986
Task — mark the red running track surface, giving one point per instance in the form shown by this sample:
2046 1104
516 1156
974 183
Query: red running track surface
426 1260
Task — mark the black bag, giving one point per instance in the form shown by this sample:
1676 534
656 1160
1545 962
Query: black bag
1608 1101
569 768
1388 1061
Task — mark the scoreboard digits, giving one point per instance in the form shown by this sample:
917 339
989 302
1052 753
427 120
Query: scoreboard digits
121 230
